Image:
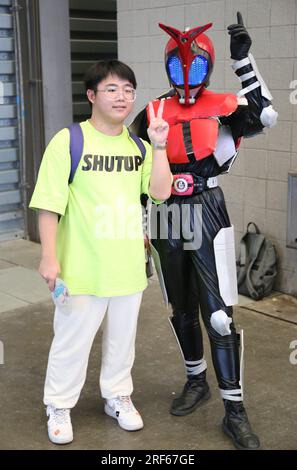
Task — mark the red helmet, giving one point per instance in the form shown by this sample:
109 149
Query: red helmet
189 59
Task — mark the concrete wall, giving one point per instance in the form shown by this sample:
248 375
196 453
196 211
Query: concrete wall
256 188
56 67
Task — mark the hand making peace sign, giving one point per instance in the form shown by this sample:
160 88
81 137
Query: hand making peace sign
158 128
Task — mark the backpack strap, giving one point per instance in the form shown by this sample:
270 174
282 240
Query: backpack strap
139 143
256 249
75 148
242 262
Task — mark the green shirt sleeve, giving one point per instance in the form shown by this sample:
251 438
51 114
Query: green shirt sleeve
51 190
146 173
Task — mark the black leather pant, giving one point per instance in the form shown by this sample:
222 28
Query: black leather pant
192 284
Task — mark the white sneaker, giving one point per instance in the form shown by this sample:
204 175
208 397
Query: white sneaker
59 425
122 409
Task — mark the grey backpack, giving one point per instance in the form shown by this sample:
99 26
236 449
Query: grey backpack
256 264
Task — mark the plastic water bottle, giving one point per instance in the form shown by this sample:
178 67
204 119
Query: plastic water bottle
61 296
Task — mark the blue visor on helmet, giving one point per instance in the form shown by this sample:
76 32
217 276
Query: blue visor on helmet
197 74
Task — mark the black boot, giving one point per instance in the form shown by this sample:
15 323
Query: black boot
195 392
236 425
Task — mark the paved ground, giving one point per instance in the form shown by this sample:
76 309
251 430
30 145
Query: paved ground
26 314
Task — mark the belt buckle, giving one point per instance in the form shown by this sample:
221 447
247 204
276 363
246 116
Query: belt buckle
183 184
212 182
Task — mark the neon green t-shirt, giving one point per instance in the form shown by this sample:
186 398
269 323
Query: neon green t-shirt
100 243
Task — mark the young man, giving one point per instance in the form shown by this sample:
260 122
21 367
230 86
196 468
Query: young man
97 246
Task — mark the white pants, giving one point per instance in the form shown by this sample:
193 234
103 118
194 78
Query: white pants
74 335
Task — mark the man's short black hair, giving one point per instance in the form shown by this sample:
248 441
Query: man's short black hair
103 68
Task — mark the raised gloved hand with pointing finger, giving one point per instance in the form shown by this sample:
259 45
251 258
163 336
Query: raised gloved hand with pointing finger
240 39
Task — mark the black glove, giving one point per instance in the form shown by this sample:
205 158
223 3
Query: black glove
240 39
